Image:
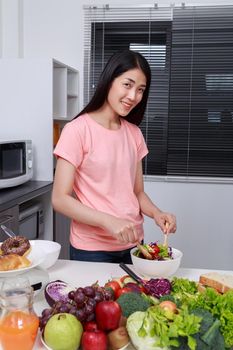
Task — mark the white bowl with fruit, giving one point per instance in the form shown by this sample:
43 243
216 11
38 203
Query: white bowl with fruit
87 316
164 263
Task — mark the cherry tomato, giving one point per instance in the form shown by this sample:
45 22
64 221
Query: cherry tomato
114 285
123 290
156 250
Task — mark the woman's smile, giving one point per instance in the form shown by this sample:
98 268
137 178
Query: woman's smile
128 89
127 105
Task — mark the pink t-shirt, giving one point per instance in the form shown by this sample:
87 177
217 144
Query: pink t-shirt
106 162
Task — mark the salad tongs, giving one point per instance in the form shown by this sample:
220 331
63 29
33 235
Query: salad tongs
8 231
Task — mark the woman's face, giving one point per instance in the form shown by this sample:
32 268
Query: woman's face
126 91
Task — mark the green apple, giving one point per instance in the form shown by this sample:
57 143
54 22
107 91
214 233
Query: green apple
63 332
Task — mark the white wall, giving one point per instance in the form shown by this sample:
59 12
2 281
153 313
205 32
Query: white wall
204 216
26 109
54 28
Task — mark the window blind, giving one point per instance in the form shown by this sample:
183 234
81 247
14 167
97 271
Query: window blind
189 117
200 132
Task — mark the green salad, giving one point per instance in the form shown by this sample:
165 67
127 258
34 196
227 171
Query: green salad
156 250
185 319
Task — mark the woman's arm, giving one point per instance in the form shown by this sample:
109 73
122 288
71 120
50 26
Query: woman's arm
166 221
64 202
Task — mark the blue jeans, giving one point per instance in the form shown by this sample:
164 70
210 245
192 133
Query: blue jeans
101 256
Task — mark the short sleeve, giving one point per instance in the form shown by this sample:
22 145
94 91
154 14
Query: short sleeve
70 145
141 145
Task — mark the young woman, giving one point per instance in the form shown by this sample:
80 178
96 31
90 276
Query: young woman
99 181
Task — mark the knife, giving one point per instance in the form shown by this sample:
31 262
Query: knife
132 274
36 286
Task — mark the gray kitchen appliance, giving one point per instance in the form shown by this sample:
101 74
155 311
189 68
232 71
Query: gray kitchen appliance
31 220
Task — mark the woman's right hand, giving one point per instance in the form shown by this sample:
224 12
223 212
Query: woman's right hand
123 230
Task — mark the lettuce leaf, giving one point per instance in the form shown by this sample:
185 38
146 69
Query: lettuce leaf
139 331
220 306
153 329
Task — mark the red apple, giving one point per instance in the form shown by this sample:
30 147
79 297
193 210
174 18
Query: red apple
90 326
108 314
94 340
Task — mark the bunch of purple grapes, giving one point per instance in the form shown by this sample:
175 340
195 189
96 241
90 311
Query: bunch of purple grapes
81 303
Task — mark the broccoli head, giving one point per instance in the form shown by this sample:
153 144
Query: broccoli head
132 302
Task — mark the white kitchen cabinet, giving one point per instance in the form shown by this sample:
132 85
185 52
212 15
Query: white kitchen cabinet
65 91
33 93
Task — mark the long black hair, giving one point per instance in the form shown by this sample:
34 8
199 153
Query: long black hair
119 63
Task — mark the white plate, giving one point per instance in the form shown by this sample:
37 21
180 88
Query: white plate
45 345
36 257
129 346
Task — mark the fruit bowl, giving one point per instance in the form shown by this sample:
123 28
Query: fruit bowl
156 268
129 346
44 344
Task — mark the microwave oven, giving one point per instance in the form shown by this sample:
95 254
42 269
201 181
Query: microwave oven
16 162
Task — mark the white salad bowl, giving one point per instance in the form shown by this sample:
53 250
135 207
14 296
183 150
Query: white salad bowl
49 249
156 268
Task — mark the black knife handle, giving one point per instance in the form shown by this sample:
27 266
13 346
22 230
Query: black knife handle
36 286
131 273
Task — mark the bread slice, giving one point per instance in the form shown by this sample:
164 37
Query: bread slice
201 288
13 262
221 282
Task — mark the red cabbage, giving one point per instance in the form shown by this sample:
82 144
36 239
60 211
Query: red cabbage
158 287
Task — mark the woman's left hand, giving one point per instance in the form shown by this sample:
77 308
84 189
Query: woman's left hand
166 221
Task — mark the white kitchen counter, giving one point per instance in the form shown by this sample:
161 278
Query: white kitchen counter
81 274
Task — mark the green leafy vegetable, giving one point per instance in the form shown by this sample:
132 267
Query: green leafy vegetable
183 285
166 331
157 251
204 320
151 299
207 319
208 337
209 334
221 307
164 252
131 302
141 338
167 297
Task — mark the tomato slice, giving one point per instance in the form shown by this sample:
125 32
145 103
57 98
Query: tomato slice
122 279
